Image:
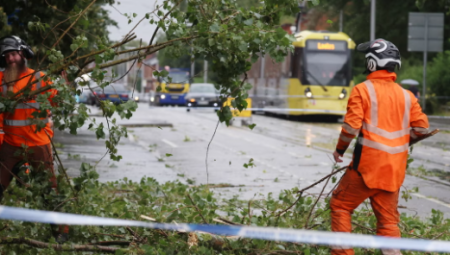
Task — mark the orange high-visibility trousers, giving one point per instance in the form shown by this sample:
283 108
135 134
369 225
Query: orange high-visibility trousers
350 193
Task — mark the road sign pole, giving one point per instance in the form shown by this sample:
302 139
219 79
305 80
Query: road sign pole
372 19
425 57
205 71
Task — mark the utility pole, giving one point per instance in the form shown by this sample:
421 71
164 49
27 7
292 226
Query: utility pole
372 19
341 20
205 71
425 58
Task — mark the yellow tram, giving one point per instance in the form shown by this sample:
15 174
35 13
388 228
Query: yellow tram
316 79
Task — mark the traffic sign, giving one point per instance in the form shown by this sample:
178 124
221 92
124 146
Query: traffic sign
425 34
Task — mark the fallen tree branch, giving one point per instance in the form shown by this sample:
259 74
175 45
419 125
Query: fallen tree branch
300 192
58 247
413 141
364 227
117 242
317 200
61 168
198 209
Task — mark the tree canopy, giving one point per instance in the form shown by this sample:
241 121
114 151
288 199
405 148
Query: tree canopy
41 22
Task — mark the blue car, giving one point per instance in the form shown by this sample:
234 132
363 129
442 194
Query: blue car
116 93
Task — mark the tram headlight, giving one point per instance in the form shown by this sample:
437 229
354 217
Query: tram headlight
163 96
343 94
308 93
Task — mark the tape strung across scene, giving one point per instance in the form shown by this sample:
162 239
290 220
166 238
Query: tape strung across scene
270 109
265 233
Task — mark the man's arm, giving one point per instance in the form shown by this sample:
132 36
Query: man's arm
418 121
352 123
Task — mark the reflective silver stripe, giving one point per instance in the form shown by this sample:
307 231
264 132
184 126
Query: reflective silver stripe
384 133
22 123
1 131
28 106
383 147
4 88
39 83
349 129
345 138
407 109
373 103
421 130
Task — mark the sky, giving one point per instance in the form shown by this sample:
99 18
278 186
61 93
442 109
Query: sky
140 7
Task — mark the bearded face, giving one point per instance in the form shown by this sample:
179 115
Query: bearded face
15 65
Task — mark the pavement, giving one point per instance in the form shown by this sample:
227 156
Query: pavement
168 143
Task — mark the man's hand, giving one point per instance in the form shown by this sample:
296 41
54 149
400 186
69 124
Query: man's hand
337 156
64 76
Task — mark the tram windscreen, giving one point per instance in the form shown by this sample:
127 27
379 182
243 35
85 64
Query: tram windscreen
326 63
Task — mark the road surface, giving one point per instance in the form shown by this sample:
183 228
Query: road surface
168 143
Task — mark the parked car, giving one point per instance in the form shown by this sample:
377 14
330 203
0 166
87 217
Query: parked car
114 92
135 96
87 95
202 95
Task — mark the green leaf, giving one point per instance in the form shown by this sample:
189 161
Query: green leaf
168 155
249 22
243 46
164 73
329 21
214 28
252 126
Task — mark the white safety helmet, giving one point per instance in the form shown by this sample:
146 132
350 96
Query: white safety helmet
380 55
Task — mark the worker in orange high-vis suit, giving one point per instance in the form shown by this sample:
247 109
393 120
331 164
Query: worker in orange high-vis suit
22 139
384 117
19 126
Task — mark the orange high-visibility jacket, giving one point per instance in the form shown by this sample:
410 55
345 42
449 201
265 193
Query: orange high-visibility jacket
385 116
20 126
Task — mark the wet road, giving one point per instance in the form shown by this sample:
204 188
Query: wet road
281 154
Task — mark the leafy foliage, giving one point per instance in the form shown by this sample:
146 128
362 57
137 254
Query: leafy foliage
438 76
40 22
176 202
224 32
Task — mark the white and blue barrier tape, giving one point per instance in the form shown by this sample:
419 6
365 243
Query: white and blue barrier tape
265 233
271 109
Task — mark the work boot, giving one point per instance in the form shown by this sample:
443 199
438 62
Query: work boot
60 233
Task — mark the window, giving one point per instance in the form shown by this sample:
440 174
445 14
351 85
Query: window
202 88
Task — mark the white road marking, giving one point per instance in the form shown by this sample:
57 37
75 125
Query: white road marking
431 199
170 143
